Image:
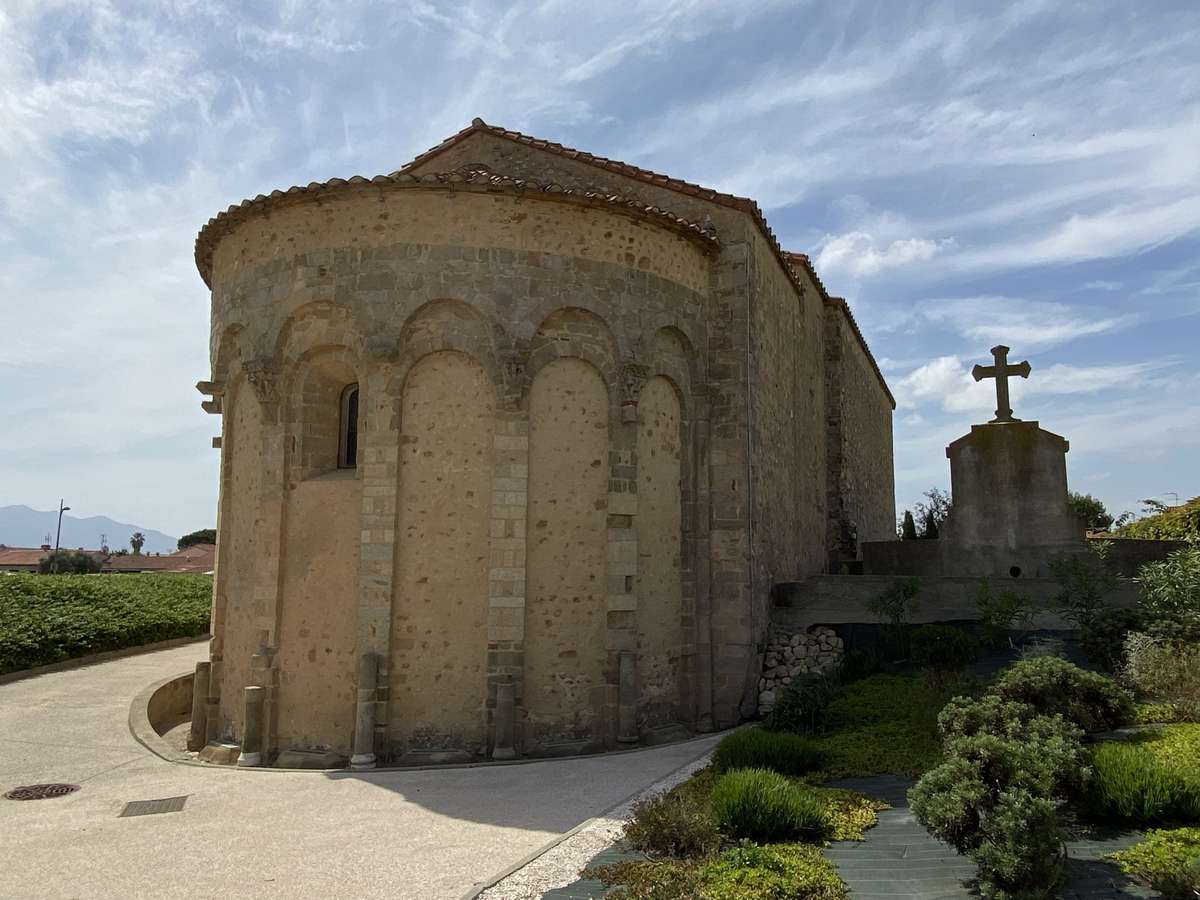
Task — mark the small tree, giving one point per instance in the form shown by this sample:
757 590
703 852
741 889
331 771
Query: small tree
1085 582
894 608
68 562
930 531
908 528
136 541
1095 517
203 536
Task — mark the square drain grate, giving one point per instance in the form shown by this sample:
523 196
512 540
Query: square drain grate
153 807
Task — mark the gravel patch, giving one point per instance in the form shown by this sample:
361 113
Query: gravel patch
562 863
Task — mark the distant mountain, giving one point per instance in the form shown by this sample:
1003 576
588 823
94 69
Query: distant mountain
21 526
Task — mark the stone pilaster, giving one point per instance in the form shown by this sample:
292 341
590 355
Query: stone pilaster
379 424
506 573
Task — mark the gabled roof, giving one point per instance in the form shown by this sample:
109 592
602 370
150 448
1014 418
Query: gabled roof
789 261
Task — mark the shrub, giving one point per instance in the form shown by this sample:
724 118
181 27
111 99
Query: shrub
1170 590
755 748
1167 860
1175 523
1166 670
894 608
996 797
777 872
1103 637
672 824
858 664
45 620
1053 685
782 871
761 805
967 717
849 813
942 649
1131 784
1043 645
1084 582
655 879
801 706
1023 853
68 562
1001 612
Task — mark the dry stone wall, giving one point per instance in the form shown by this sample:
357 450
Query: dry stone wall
793 654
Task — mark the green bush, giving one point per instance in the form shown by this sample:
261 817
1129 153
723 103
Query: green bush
941 649
1167 860
1053 685
754 748
780 871
776 872
1170 590
1103 637
674 824
68 562
1000 613
858 664
1084 581
990 714
1022 854
46 620
894 608
1131 784
1176 523
1168 670
996 797
801 706
761 805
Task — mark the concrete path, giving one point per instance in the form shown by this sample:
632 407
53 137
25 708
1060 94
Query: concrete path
416 834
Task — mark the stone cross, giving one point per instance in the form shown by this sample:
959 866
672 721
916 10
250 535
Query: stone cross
1001 371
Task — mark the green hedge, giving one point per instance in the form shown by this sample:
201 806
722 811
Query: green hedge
49 618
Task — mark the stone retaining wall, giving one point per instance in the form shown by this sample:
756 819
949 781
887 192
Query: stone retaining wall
791 654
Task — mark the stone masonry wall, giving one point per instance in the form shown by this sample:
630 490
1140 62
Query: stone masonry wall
724 547
382 281
787 440
860 478
792 654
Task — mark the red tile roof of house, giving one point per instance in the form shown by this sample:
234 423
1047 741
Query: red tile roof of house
197 558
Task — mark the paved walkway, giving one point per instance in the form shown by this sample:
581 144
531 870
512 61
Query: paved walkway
900 860
426 834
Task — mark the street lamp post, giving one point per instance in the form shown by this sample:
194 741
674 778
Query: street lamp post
58 536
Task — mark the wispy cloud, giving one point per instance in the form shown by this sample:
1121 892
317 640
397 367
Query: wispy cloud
1029 324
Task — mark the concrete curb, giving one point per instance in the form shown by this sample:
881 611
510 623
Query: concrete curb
143 731
93 658
475 891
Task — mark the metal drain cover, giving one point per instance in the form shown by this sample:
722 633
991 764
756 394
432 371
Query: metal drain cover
40 791
153 807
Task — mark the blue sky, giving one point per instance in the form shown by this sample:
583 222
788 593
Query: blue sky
964 173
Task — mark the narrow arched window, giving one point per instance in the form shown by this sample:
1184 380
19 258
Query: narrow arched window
348 429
